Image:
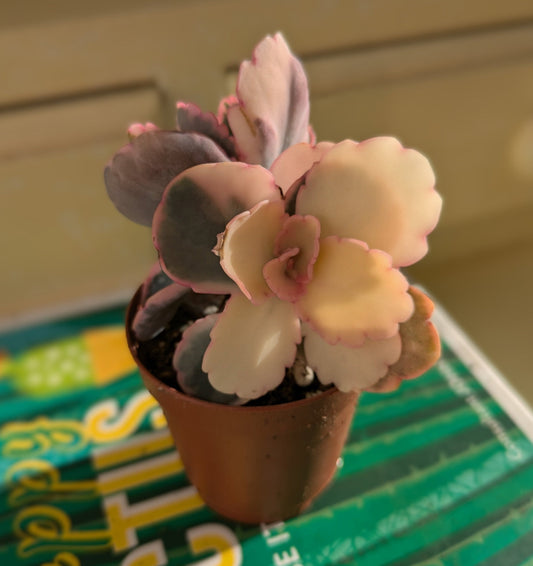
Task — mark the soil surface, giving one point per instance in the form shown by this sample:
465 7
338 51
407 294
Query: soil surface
156 354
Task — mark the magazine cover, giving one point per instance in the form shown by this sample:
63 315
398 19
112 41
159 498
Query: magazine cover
437 473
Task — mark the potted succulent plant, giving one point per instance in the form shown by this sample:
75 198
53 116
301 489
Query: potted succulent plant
278 296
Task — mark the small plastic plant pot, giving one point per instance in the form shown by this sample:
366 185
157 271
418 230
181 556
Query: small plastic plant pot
254 464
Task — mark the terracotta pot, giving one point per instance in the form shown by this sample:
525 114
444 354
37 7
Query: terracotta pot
254 464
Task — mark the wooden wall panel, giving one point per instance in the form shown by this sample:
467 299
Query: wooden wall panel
466 123
61 237
453 78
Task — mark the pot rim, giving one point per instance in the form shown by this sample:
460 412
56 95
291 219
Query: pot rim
147 374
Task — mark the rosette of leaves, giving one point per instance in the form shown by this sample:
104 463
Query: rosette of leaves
306 239
268 113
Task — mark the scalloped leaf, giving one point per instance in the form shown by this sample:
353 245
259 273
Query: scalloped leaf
301 232
248 244
138 173
386 384
420 340
273 110
350 369
187 362
251 345
355 294
295 161
190 118
195 209
420 346
375 191
276 274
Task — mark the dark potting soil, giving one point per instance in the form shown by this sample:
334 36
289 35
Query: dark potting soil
156 354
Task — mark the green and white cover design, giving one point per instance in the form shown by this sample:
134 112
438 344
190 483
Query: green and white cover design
436 474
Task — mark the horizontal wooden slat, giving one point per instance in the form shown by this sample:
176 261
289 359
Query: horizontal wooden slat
433 56
17 14
465 121
62 239
62 124
185 46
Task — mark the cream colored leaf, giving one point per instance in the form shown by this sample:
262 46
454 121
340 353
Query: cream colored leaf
301 232
277 273
251 345
375 191
248 244
295 161
350 369
355 294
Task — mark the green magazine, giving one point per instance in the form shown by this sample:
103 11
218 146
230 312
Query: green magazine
439 473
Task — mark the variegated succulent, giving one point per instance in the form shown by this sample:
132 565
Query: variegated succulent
306 239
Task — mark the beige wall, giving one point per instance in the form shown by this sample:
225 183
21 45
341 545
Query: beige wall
452 78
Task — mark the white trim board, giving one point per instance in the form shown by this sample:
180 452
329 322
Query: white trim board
484 371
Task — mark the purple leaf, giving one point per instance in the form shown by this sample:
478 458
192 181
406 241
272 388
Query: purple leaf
273 109
191 119
156 280
195 209
160 299
138 173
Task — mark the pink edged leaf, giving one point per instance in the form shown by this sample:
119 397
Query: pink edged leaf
355 294
223 106
292 195
248 244
420 340
187 362
135 130
296 161
350 369
276 274
420 346
273 110
138 173
195 208
375 191
156 280
160 298
312 135
386 384
190 118
251 345
158 311
301 232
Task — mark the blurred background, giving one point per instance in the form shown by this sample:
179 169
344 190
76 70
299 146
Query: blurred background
451 78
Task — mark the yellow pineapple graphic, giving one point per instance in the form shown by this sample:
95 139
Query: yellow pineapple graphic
96 357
